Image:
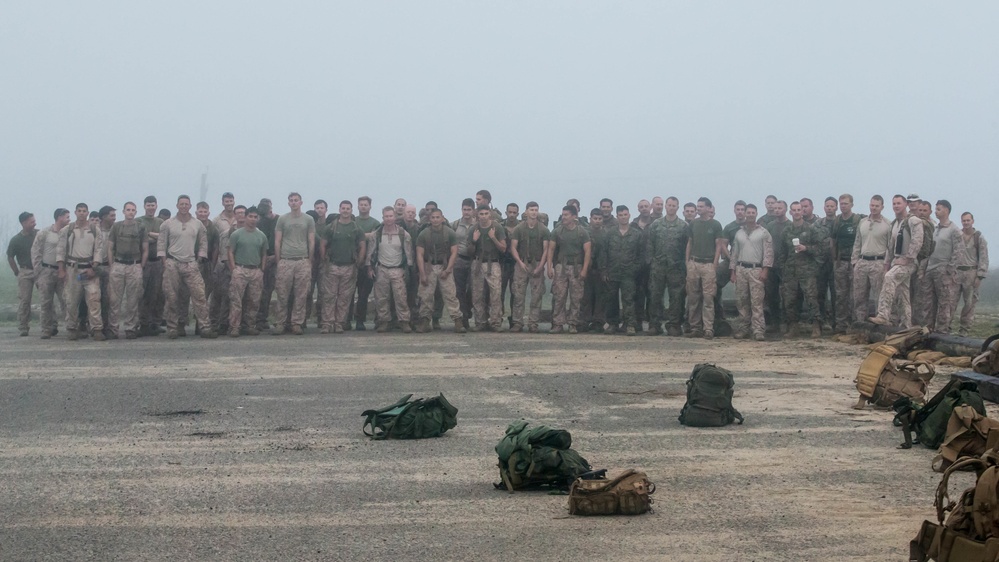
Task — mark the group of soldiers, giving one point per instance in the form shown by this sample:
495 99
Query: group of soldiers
660 271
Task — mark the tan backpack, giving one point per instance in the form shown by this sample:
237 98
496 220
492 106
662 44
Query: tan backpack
628 494
881 380
967 436
987 363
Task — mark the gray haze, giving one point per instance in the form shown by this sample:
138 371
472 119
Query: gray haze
108 101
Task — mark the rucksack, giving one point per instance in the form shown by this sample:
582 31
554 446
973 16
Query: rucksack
881 380
970 532
709 398
926 250
539 456
930 421
987 362
416 419
627 494
967 436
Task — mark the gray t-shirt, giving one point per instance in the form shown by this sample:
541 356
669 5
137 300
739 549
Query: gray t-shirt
295 234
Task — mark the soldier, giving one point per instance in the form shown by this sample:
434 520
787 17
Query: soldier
106 218
658 205
607 210
668 274
247 258
364 282
436 254
151 307
752 259
128 250
725 268
843 235
798 253
507 262
900 264
463 267
412 226
489 241
826 279
19 259
294 240
620 256
971 272
704 246
940 294
593 310
266 223
775 226
207 267
78 251
643 296
320 210
389 254
568 264
772 213
183 243
218 305
44 251
869 248
343 251
689 212
529 244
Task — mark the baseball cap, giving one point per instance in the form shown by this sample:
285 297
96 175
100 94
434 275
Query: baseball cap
913 198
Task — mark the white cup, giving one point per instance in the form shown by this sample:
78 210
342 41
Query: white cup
795 242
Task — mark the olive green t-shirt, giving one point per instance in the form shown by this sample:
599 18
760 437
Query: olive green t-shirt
485 248
342 242
247 246
436 244
19 248
703 238
128 240
152 226
531 241
569 244
367 224
295 234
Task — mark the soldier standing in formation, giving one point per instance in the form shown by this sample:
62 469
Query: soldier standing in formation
752 260
128 250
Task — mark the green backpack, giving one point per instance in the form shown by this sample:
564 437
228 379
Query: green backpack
539 456
930 420
416 419
709 398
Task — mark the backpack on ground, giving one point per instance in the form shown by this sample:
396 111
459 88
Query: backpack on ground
406 419
537 456
709 398
970 532
628 494
881 380
987 362
929 422
967 436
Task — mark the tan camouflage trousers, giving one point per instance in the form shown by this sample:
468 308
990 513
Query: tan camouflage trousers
180 278
938 298
701 289
390 285
967 291
567 293
184 300
896 287
125 288
447 290
245 287
843 294
868 276
919 286
50 288
521 281
291 283
25 285
336 293
488 275
104 274
87 289
151 308
749 292
218 302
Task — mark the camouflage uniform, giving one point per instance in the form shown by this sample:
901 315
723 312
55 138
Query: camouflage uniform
218 303
905 242
702 275
799 271
182 269
775 309
487 275
620 258
50 286
125 284
437 245
723 273
390 278
266 225
940 290
592 312
971 273
339 277
825 281
567 286
531 249
868 260
752 252
365 284
19 249
206 268
246 279
643 290
151 307
668 273
843 233
78 251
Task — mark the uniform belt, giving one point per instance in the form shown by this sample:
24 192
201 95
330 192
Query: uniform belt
294 259
126 262
248 266
49 265
390 266
964 268
872 258
748 265
702 260
105 263
344 264
480 260
78 265
466 258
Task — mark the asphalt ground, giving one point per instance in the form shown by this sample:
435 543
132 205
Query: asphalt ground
251 449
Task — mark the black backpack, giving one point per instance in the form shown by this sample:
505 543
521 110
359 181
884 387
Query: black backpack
709 398
416 419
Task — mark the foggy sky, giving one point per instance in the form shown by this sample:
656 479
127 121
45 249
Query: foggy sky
108 101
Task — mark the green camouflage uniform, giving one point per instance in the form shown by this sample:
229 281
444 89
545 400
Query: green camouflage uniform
798 270
667 245
620 259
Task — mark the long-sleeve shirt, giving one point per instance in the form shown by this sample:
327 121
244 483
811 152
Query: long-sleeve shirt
912 239
754 247
872 238
45 248
183 241
976 251
78 244
948 251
